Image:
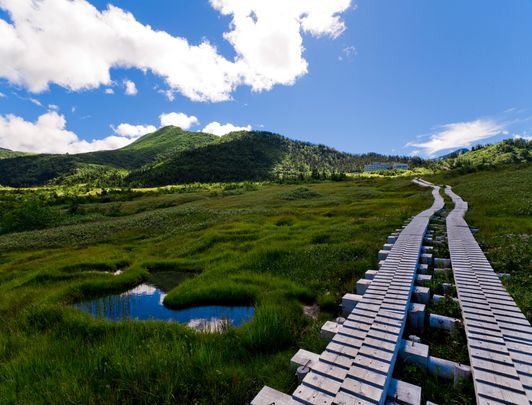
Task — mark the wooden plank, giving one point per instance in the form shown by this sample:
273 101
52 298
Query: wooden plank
330 370
499 380
344 398
346 351
336 359
363 374
322 383
377 366
504 395
362 390
311 396
375 353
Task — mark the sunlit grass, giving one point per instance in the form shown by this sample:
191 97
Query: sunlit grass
246 244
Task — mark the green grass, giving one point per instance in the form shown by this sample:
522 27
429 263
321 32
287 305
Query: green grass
243 244
435 389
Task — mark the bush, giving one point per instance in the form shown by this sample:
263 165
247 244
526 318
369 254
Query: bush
301 193
27 216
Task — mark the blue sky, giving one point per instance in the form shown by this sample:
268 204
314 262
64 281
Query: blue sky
396 77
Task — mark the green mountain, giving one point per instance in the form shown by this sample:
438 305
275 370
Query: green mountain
105 167
254 155
171 155
505 152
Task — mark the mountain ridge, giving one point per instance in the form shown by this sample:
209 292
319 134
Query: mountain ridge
508 151
170 155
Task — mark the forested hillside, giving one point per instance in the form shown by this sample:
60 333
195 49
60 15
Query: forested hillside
485 156
7 154
103 167
252 156
172 155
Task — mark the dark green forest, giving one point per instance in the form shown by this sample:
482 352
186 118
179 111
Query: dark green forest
171 155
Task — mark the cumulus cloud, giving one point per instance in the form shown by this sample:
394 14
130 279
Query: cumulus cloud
459 135
133 131
267 36
109 91
131 88
74 45
218 129
48 134
178 119
2 95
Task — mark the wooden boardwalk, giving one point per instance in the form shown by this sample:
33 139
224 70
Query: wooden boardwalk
356 366
499 337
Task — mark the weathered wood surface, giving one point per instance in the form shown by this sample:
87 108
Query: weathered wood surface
499 337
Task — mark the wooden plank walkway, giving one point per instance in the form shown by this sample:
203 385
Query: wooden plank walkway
356 366
499 337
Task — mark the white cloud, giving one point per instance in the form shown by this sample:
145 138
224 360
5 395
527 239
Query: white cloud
348 53
67 43
35 101
109 91
53 107
218 129
48 134
131 88
267 36
133 131
459 135
2 95
178 119
523 136
169 94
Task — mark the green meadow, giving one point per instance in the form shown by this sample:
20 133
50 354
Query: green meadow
276 247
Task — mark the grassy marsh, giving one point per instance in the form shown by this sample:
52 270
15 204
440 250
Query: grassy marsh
277 247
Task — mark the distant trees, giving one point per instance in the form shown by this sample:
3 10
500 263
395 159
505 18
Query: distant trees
491 155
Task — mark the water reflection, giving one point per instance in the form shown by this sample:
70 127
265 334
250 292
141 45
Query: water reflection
145 302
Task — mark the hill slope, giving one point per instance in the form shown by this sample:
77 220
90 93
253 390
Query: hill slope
33 170
504 152
172 155
8 154
254 155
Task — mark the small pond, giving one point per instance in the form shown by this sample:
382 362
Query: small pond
145 302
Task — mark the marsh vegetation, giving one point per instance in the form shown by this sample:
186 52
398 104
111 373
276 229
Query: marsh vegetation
274 247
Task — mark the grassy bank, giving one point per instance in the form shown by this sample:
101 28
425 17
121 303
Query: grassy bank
277 247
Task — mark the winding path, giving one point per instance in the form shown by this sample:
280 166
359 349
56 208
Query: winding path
499 337
356 366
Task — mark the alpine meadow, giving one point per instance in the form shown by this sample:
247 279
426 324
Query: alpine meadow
321 202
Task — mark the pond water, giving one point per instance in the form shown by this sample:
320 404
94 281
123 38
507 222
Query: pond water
145 302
